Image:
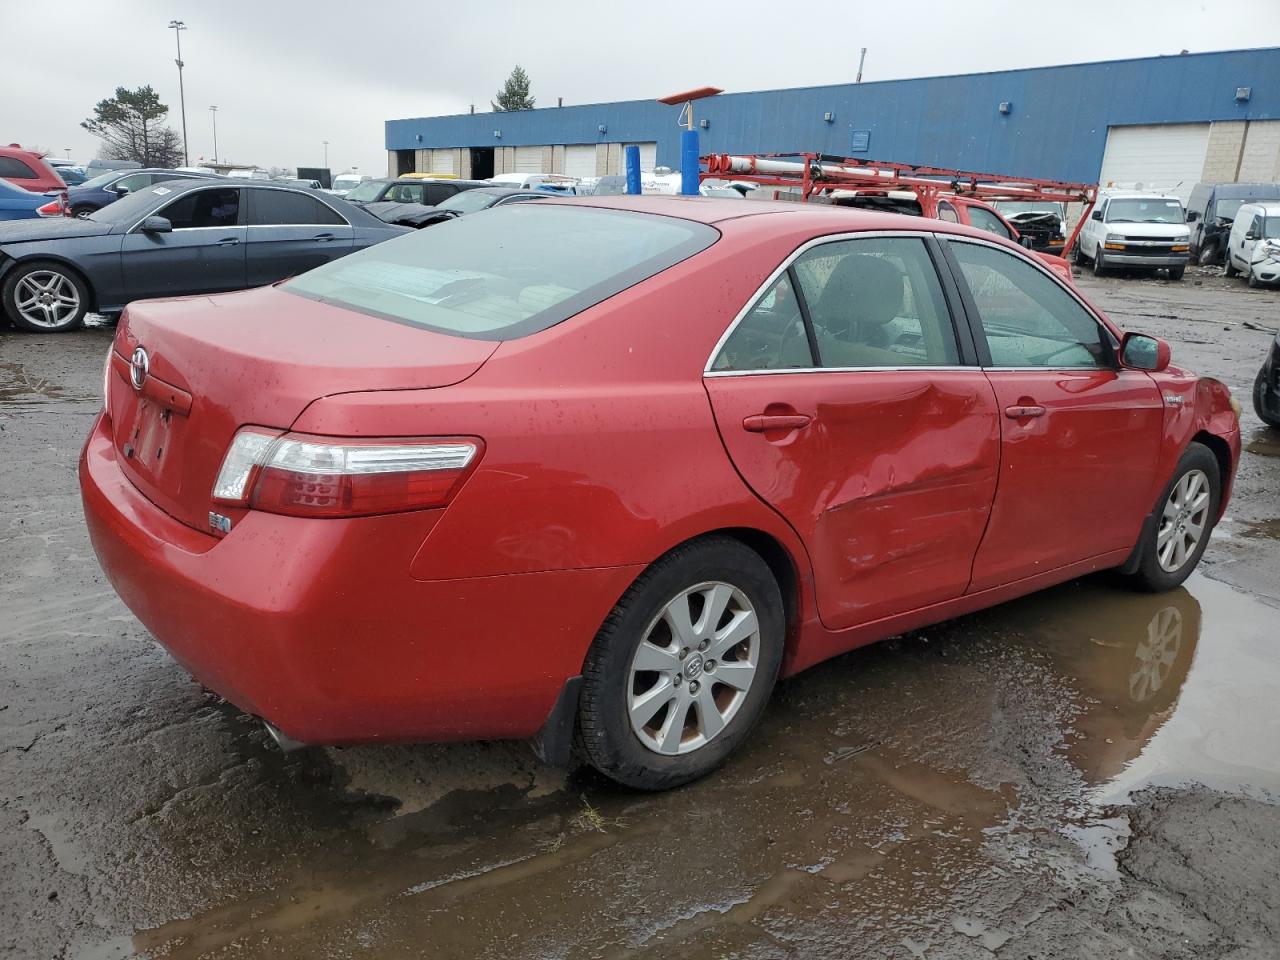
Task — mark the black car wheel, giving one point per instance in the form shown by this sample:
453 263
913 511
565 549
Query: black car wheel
1267 413
82 211
45 296
681 671
1230 270
1099 268
1184 517
1175 273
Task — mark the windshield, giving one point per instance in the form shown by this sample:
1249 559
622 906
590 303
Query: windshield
346 182
1144 210
506 272
366 192
1011 208
1271 227
468 201
133 206
1227 209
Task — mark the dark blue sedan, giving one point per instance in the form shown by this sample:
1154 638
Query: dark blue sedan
109 187
172 239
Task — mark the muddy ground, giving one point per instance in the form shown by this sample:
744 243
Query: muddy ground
1082 773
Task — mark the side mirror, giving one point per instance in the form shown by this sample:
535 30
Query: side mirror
1141 352
1251 235
1096 215
1193 216
120 189
155 224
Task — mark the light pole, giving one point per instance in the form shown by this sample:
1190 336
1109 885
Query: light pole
326 153
213 112
68 149
177 26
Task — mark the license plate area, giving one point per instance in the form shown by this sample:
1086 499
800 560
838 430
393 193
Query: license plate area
149 444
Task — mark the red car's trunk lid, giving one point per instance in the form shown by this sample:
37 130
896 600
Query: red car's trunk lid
215 364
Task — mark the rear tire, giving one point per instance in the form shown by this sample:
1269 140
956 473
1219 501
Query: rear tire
1175 273
45 296
1184 518
82 212
1078 256
1230 268
659 662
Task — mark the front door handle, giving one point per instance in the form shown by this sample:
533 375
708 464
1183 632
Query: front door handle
228 241
1024 411
768 422
323 237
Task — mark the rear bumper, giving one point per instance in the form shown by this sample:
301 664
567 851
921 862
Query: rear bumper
318 627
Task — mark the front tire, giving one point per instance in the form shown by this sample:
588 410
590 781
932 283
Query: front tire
682 669
1230 268
1259 402
1099 268
1173 545
45 296
1175 273
1252 279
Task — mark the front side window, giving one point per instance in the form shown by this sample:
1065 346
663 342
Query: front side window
406 193
204 208
876 303
986 220
1029 320
505 276
772 334
366 192
135 181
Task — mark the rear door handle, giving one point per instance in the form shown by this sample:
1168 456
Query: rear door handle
323 237
228 241
761 422
1018 412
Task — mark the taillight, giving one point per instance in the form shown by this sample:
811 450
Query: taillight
54 208
305 476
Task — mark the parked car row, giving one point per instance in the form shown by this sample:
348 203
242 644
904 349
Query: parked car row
177 237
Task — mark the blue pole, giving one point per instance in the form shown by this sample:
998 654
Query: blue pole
633 170
689 163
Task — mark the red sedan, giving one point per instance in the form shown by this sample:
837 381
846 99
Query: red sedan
610 468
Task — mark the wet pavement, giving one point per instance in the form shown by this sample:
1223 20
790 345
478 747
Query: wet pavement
1084 772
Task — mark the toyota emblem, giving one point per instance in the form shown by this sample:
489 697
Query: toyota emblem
139 366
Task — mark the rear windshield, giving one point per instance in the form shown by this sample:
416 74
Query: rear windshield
506 272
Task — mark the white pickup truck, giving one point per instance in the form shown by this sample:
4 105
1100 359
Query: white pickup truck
1135 230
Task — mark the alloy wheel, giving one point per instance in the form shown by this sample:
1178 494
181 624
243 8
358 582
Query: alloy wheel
1183 521
46 298
693 668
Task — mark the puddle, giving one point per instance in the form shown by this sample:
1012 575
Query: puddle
1265 443
1260 529
18 385
939 768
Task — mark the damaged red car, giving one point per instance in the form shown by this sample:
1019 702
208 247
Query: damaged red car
600 471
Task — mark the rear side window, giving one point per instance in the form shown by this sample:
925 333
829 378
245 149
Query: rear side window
11 168
505 273
1029 320
870 303
407 193
273 208
439 191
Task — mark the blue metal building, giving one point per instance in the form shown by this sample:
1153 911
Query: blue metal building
1218 112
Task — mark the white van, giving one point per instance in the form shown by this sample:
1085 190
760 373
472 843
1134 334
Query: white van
1136 230
1253 248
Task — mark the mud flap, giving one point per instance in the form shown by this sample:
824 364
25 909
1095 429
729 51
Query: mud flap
553 742
1130 565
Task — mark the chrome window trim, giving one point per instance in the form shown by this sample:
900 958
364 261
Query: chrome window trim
783 268
241 185
906 368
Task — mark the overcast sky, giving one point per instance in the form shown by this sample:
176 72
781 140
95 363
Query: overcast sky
286 76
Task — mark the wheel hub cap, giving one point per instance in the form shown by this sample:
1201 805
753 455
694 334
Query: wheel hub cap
693 668
1184 521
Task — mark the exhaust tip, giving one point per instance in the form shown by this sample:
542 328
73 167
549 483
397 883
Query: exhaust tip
285 742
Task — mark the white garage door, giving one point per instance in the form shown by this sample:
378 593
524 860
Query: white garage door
580 160
648 156
1165 157
442 161
528 160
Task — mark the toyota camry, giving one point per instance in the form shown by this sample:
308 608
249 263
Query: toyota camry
598 472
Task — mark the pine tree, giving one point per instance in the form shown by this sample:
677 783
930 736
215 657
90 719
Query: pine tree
514 94
131 125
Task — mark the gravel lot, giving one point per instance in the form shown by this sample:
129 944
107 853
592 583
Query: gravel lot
1085 772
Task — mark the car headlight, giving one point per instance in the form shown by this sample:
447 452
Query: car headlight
1115 237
